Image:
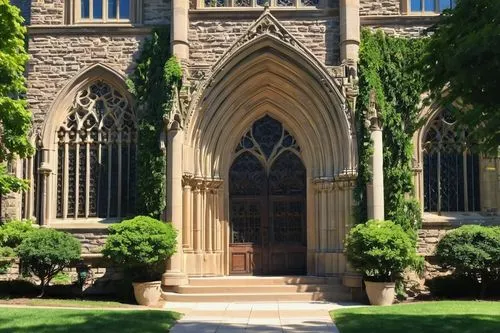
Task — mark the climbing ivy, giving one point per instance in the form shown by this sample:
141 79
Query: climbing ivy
151 83
389 66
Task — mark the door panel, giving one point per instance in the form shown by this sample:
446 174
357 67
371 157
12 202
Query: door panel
267 183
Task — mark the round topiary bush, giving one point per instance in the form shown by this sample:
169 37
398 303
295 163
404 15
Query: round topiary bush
46 252
381 251
141 245
473 251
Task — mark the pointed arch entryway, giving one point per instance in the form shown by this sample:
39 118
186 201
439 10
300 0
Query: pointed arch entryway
293 214
267 203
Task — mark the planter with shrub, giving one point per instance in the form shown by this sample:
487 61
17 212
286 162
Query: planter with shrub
473 252
47 252
381 251
142 246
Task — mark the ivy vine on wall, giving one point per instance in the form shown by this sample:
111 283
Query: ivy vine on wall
151 83
390 66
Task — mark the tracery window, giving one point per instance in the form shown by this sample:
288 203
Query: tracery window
97 149
451 170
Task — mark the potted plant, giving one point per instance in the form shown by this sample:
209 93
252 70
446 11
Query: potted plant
381 251
141 246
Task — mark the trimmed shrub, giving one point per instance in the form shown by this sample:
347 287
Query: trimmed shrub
46 252
6 259
381 251
141 245
472 251
13 232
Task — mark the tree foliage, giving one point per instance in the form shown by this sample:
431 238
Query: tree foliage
13 232
389 66
46 252
151 84
15 119
462 65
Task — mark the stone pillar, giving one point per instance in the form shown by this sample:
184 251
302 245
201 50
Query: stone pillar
175 276
180 28
349 30
375 190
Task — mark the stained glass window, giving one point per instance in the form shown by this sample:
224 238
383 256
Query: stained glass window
451 169
97 155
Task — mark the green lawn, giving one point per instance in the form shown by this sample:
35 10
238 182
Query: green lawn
428 317
78 303
25 320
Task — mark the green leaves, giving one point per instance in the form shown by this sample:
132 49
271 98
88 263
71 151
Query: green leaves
381 250
141 245
389 66
15 120
151 84
462 63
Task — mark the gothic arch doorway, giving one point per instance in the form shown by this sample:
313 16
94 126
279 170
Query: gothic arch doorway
267 189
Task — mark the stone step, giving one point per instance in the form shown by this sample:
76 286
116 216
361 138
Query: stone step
257 289
336 296
261 280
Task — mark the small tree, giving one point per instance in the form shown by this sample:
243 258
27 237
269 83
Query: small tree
46 252
141 245
15 119
473 251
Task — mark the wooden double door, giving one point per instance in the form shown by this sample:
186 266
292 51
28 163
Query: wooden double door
267 203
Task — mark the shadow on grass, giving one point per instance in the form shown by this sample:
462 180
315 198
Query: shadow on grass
16 320
428 323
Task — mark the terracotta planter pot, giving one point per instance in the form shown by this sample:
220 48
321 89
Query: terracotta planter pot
380 293
147 293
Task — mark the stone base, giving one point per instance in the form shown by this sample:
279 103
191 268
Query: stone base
174 279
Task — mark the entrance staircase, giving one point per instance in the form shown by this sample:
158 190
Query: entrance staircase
260 289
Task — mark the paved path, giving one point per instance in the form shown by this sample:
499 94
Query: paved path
272 317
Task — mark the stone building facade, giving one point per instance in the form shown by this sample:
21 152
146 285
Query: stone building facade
260 143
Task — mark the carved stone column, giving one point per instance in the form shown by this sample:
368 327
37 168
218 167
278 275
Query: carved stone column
349 29
375 190
180 28
175 276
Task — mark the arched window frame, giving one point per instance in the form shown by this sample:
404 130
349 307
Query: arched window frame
433 114
39 204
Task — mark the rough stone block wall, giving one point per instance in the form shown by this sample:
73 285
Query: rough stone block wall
12 272
55 59
408 31
379 7
92 240
157 11
209 39
47 12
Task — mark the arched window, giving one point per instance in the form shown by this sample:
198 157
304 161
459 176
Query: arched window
96 173
451 170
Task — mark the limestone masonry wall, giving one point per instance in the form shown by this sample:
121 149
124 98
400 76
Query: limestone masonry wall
47 12
209 39
52 12
55 59
379 7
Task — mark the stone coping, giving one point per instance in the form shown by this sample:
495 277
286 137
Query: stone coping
89 29
406 20
456 219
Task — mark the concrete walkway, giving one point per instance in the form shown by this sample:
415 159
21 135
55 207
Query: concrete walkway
269 317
